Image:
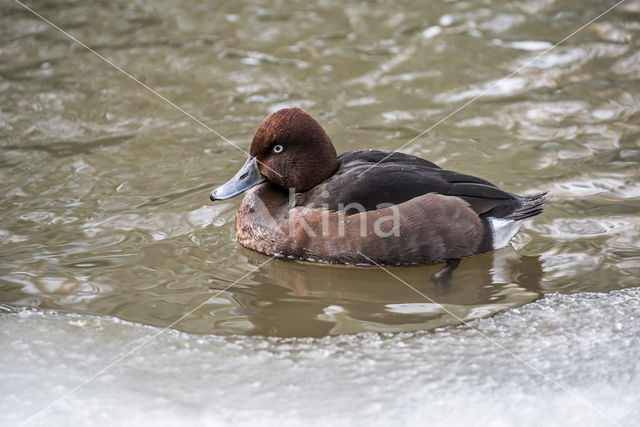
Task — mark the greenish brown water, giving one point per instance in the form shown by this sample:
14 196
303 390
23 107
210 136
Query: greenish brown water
104 187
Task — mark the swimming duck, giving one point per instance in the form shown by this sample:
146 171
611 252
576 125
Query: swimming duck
304 201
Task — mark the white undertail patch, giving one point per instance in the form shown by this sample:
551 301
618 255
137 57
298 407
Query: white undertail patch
503 230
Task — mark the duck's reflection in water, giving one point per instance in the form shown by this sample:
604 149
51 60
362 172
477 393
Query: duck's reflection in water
307 299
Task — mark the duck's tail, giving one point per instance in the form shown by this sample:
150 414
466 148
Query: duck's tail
504 227
531 205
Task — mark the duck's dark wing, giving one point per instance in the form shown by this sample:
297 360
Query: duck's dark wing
398 178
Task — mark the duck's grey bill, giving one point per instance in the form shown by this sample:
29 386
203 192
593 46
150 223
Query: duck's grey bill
248 176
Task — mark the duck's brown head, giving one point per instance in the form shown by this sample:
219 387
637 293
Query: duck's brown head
289 149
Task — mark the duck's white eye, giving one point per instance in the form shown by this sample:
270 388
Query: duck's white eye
278 148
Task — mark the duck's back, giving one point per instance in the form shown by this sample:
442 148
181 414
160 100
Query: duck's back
371 178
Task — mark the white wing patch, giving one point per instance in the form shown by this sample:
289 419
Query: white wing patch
503 230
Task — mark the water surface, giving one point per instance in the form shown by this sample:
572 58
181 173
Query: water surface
104 186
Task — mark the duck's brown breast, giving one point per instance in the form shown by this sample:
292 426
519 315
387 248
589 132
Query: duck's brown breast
426 229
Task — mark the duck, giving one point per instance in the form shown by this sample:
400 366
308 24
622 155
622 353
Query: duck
304 201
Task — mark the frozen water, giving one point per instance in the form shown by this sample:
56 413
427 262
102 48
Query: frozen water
578 366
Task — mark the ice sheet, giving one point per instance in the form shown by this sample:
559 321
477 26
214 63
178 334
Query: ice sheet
578 366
